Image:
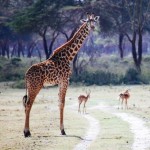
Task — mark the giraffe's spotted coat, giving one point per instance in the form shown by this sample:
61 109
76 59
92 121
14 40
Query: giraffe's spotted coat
55 70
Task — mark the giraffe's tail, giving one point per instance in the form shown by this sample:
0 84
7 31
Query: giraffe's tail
25 98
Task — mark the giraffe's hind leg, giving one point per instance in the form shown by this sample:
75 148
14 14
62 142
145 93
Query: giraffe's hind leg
28 106
27 116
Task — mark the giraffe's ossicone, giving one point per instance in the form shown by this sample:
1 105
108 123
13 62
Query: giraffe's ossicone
55 70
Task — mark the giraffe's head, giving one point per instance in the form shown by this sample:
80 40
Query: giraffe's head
90 20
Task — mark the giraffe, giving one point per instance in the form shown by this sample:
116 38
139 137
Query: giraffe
55 71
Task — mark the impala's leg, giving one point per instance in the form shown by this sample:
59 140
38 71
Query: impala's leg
126 103
79 108
122 103
84 108
119 103
62 94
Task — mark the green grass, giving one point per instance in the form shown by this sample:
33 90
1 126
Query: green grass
114 132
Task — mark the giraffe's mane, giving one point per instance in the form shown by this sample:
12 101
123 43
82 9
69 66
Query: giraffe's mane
67 43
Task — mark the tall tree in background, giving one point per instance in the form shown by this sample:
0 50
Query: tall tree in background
128 18
7 9
37 19
138 12
44 18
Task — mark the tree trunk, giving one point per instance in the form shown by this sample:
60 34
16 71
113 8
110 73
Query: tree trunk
4 44
75 69
45 46
39 53
20 49
43 35
55 35
13 53
3 48
30 48
0 49
121 37
51 47
7 49
134 53
140 41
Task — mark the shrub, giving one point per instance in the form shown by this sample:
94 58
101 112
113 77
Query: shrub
19 84
146 59
15 61
132 76
98 78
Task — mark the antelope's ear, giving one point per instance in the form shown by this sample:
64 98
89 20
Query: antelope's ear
96 18
83 21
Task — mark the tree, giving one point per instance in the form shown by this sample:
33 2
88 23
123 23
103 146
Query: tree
43 18
7 9
128 18
138 12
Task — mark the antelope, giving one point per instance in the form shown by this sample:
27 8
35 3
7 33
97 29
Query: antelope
124 96
84 99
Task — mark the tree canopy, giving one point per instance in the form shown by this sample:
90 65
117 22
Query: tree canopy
48 19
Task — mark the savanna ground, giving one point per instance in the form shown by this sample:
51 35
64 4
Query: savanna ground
113 133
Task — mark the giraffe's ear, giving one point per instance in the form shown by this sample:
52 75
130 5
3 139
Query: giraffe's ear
96 18
83 21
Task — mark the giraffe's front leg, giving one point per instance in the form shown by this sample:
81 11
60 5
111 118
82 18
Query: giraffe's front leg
62 94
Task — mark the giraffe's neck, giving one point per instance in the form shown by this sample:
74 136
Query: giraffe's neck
77 41
69 50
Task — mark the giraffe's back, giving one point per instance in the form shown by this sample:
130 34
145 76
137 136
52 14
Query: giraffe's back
47 72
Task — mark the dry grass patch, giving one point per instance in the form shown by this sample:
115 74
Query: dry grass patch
44 123
114 133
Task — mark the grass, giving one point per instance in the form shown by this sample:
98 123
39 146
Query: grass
114 132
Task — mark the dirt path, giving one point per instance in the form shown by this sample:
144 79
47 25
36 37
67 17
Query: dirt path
137 126
91 134
140 131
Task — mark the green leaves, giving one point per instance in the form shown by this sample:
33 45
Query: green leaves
41 14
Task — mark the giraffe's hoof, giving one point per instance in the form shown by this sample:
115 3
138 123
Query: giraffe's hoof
63 132
27 134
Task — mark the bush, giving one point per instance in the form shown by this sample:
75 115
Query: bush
105 71
15 61
146 59
19 84
13 76
132 76
98 78
11 70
